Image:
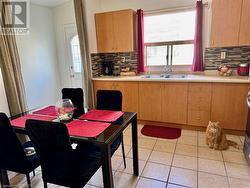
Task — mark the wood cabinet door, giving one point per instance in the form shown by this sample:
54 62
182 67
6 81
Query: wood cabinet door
244 38
105 32
174 102
226 15
150 101
199 104
129 93
229 105
123 23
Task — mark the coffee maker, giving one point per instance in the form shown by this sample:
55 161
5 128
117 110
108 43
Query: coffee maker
107 68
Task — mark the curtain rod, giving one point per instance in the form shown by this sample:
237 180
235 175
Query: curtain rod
206 4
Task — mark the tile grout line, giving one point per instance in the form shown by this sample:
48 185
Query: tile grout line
228 183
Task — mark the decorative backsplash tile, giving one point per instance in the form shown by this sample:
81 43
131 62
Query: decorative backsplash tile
234 56
98 58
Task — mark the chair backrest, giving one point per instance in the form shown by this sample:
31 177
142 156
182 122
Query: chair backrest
109 100
12 155
53 147
76 96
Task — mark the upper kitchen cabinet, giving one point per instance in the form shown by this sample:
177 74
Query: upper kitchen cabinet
244 38
226 18
115 31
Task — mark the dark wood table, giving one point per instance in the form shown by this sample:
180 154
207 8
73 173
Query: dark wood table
104 142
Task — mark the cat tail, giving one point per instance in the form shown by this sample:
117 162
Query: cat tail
233 144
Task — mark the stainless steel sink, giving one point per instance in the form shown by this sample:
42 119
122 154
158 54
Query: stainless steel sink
165 76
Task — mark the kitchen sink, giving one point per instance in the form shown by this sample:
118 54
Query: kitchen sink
165 76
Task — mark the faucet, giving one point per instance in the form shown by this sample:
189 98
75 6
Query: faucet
168 70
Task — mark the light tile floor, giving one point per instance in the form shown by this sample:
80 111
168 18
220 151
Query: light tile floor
179 163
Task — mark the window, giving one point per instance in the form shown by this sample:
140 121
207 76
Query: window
169 38
76 54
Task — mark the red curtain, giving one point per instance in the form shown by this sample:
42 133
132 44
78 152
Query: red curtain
198 49
140 17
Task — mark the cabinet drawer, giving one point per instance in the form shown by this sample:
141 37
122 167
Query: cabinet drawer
198 118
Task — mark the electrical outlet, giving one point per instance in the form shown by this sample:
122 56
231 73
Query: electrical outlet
223 55
123 59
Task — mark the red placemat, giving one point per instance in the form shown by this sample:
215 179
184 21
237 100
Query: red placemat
102 115
86 128
20 122
49 110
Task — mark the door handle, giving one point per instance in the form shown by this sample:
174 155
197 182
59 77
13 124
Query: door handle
72 76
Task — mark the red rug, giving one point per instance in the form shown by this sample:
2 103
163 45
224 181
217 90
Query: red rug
161 132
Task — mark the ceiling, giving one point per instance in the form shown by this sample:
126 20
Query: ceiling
49 3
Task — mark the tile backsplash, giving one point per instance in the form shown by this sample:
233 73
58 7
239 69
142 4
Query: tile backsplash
234 56
98 58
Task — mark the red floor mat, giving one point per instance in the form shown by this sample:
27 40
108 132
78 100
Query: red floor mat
161 132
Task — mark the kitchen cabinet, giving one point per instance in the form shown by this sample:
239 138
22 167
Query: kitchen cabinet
244 38
229 105
174 102
129 93
150 101
199 104
115 31
225 26
193 104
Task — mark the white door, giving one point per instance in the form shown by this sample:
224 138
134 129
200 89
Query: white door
73 56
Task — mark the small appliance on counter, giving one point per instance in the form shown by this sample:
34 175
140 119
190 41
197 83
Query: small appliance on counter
243 69
107 68
117 70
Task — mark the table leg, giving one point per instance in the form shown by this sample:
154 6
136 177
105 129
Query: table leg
106 167
135 146
4 178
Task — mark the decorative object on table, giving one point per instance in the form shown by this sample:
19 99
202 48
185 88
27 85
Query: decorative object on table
243 69
65 109
224 70
216 138
161 132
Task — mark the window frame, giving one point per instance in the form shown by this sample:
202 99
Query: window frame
167 43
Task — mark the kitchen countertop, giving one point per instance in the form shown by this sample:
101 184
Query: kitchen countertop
189 78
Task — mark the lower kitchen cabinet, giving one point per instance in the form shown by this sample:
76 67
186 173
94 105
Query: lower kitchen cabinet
150 101
184 103
199 104
229 105
129 93
174 102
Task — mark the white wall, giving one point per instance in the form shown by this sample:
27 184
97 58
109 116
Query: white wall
38 59
3 104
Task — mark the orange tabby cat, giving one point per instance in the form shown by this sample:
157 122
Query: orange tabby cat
216 138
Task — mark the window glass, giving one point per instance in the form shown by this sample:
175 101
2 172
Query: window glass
76 54
169 36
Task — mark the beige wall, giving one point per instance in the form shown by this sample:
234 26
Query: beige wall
38 59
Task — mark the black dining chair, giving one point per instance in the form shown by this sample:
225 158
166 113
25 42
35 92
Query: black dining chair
13 156
77 97
60 164
111 100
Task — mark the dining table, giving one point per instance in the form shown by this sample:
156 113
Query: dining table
103 140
